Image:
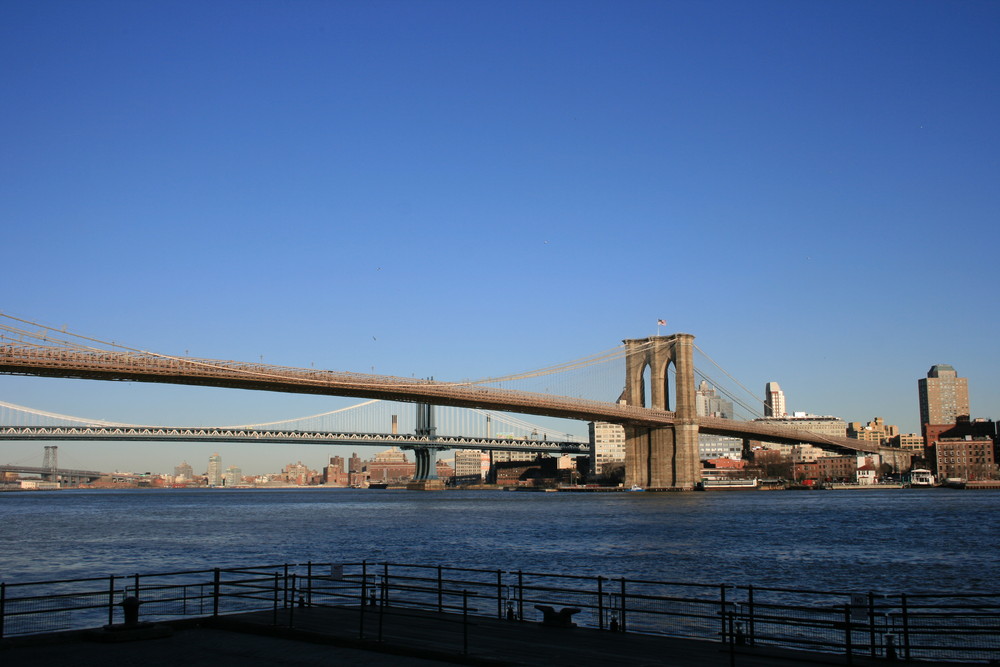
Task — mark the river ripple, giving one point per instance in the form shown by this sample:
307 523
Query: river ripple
885 540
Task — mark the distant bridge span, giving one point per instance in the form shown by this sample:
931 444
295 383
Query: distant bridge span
229 435
60 362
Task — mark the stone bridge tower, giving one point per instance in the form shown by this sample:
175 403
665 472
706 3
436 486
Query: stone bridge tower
662 457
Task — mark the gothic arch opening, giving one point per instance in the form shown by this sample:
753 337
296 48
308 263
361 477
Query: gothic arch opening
646 386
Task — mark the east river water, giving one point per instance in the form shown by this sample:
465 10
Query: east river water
906 540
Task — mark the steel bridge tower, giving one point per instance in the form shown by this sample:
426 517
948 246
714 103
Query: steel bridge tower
662 457
50 461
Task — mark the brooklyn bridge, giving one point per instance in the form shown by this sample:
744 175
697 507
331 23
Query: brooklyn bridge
661 431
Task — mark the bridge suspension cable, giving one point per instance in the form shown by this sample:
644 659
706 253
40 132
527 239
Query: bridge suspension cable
726 373
56 416
47 336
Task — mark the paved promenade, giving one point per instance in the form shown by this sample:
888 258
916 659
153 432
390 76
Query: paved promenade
409 638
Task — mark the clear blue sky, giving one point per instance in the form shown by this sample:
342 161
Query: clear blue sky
465 189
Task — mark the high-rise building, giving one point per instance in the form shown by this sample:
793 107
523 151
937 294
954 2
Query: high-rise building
184 472
214 470
708 403
234 476
774 400
944 397
608 445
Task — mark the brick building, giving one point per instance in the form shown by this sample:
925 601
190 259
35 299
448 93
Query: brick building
969 458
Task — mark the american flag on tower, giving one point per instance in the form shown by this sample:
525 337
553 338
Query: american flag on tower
661 323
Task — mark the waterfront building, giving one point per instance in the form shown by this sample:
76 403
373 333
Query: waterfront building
542 470
390 467
911 441
503 457
804 453
719 446
214 473
607 443
968 458
866 475
821 424
471 465
962 428
845 468
774 401
233 476
876 431
183 473
356 475
334 473
297 473
944 397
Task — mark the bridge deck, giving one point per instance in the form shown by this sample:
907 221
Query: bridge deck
147 367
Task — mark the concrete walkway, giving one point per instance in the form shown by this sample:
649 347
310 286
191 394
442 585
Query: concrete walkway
330 636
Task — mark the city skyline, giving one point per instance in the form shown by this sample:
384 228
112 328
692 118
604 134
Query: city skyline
465 190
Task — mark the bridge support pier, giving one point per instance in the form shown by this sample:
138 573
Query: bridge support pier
425 477
663 457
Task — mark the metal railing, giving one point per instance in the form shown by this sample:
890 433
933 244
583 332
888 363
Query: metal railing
926 626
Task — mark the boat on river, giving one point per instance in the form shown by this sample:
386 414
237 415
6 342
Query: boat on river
710 484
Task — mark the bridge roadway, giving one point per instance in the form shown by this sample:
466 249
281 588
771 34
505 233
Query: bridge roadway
212 434
63 473
148 367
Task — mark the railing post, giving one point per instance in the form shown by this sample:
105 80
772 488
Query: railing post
848 652
364 601
906 628
871 623
3 605
732 635
381 607
621 614
111 600
520 595
440 591
216 586
274 613
309 583
291 609
722 610
751 627
600 602
285 592
136 586
465 622
364 583
385 584
500 594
